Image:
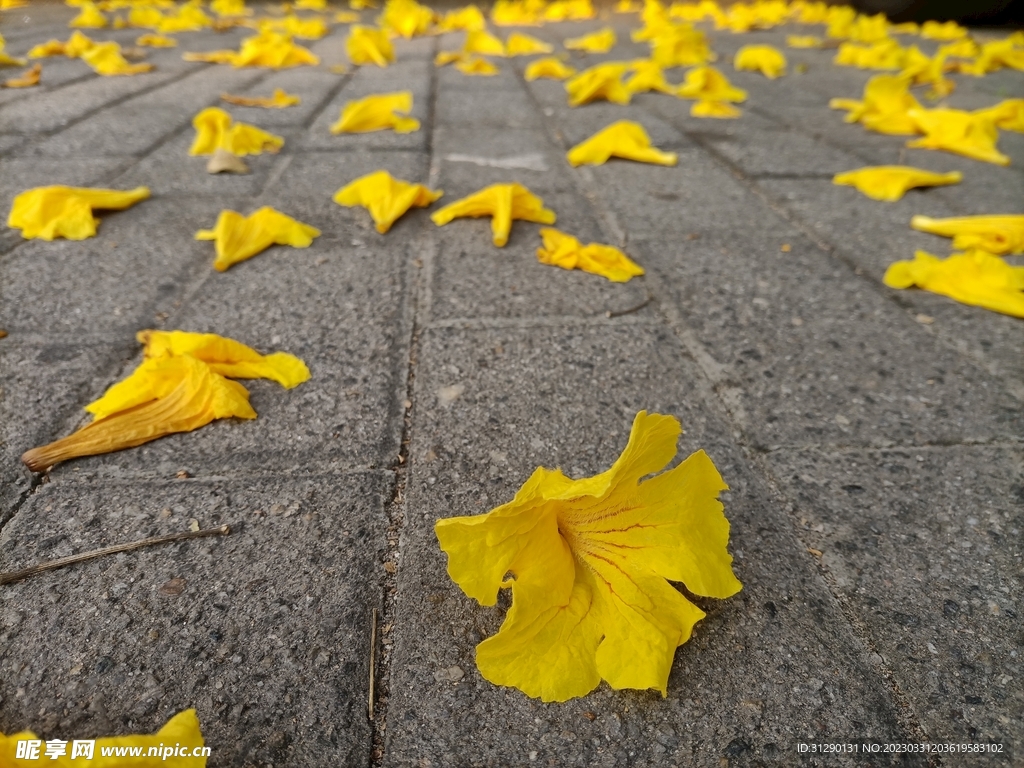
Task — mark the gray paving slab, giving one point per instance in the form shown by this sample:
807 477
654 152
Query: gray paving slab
265 632
460 108
545 400
775 153
924 545
310 85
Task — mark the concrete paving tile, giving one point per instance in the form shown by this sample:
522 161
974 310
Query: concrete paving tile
676 112
345 415
462 108
463 154
320 174
472 453
782 152
924 546
992 189
138 262
451 79
18 174
783 324
265 632
311 86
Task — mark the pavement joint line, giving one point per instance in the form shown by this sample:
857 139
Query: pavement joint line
600 320
131 480
844 448
397 506
27 94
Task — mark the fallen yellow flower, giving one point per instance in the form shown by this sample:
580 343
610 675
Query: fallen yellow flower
76 45
377 113
106 59
27 79
906 28
474 65
309 29
385 197
708 84
9 61
230 8
624 139
449 57
953 130
568 10
977 278
89 18
57 211
183 728
934 30
627 6
885 54
885 108
590 561
519 44
361 5
311 5
548 67
279 100
189 18
10 5
504 203
465 19
215 130
648 76
761 58
601 41
994 56
406 18
964 48
346 17
1007 114
924 70
803 41
484 43
603 81
891 182
156 41
274 50
680 45
565 251
239 237
516 13
711 108
999 234
366 45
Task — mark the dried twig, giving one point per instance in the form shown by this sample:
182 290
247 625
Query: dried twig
373 659
7 578
631 310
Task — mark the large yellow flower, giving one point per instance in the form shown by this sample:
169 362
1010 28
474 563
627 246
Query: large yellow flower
590 562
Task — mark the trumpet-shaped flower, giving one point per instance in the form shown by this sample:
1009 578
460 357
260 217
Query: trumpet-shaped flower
76 45
885 108
106 59
891 182
188 18
89 18
346 17
377 113
156 41
601 41
183 728
516 13
519 44
504 203
274 50
474 65
366 45
978 278
468 18
717 109
624 139
590 561
50 212
406 18
482 42
954 130
649 76
999 234
26 79
279 100
568 10
885 54
385 197
993 56
239 237
708 84
603 81
680 45
308 29
761 58
215 130
803 41
449 57
934 30
567 252
926 70
230 8
548 67
145 17
1007 114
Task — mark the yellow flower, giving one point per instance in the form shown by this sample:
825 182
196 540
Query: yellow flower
89 18
50 212
106 59
366 45
466 18
311 5
1000 234
9 61
603 81
189 18
156 41
274 50
648 76
976 277
934 30
182 729
1007 114
624 139
346 17
708 84
568 10
906 28
360 5
474 65
601 41
484 43
803 41
385 197
515 13
627 6
377 113
214 130
765 59
519 44
885 54
145 17
448 57
885 108
230 8
504 203
712 108
548 67
954 130
891 182
923 70
590 561
279 100
406 18
239 237
26 79
565 251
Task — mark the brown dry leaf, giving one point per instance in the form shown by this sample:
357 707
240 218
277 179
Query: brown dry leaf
223 161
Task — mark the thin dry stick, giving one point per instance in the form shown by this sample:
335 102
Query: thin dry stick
373 658
7 578
629 311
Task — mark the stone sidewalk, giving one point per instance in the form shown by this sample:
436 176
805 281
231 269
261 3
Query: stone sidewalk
871 438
